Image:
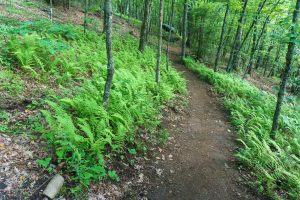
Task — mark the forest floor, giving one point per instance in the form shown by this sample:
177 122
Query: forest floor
197 162
203 164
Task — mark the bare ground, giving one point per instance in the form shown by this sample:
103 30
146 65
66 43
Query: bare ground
202 165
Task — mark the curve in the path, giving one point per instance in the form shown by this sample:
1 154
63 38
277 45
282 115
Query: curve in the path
202 165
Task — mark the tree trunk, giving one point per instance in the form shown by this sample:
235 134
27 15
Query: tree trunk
170 33
259 53
285 75
275 64
149 25
85 16
110 62
184 31
254 47
104 17
161 16
253 24
228 36
198 54
145 24
189 31
51 10
234 57
222 37
267 59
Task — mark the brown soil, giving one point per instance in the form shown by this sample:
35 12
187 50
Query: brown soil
202 164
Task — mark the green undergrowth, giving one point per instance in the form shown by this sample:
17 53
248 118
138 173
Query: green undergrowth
274 164
81 133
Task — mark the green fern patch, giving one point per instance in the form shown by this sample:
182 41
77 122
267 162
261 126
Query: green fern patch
81 133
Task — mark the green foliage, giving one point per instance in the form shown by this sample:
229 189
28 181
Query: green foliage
45 163
275 163
80 131
4 118
10 82
163 136
113 175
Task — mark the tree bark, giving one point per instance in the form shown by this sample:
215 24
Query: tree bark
267 58
275 64
161 16
234 57
145 25
259 53
184 31
110 62
227 38
222 37
85 16
149 24
253 24
170 32
254 47
285 75
51 10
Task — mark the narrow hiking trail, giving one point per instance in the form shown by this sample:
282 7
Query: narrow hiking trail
202 165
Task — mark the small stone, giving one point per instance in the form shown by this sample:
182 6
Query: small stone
159 172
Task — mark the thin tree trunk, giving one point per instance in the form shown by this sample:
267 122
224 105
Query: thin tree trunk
234 57
184 31
170 33
198 54
227 38
110 62
85 16
267 59
189 32
253 24
275 64
104 17
259 53
161 16
254 47
222 37
51 10
149 25
128 11
285 75
145 24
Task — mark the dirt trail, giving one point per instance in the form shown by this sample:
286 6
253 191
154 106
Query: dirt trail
202 165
